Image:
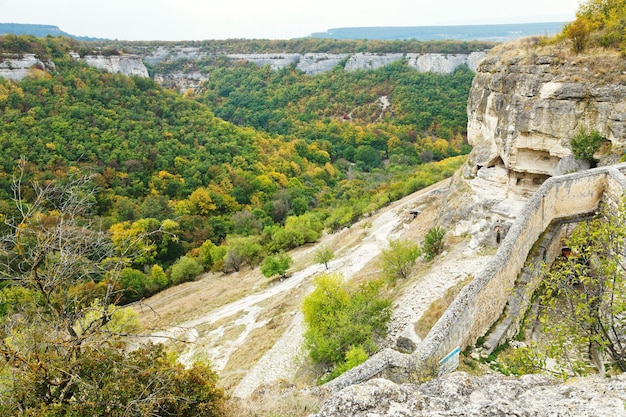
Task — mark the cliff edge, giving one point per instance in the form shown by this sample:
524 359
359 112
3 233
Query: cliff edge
526 102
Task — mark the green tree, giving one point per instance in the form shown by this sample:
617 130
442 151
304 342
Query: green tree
276 265
323 255
398 260
134 284
67 352
185 269
243 249
340 317
587 291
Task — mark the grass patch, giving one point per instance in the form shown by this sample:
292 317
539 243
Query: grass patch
279 399
438 307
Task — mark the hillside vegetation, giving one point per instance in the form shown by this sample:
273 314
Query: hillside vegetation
113 188
163 161
599 23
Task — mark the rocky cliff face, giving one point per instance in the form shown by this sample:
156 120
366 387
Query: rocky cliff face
122 64
460 394
18 67
309 63
525 104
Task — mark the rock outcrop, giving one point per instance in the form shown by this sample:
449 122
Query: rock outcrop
122 64
309 63
527 101
444 63
18 67
460 394
525 104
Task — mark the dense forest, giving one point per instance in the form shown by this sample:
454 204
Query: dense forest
113 188
310 152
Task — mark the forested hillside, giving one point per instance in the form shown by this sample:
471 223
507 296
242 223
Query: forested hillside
113 188
325 151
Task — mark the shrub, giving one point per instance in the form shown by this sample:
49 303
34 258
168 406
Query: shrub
341 317
134 284
323 255
185 269
399 259
433 243
585 144
276 265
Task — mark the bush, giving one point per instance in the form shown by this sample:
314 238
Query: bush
134 284
276 265
433 243
398 261
340 317
585 144
113 382
185 269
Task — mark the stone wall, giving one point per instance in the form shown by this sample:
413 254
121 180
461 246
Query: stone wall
481 303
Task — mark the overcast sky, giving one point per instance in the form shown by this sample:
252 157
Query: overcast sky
267 19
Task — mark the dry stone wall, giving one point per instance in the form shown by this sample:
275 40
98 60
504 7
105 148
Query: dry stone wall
481 303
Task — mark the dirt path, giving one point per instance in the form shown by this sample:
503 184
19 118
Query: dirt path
285 357
218 333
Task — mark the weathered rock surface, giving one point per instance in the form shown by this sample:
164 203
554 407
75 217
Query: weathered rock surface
18 67
444 63
460 394
309 63
370 61
122 64
526 102
317 63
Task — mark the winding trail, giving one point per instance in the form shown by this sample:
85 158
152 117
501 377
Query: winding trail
217 334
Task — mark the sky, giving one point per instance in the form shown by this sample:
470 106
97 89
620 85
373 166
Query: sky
267 19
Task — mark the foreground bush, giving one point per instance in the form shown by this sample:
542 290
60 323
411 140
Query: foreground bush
341 318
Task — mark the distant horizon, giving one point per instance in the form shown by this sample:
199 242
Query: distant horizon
330 31
179 20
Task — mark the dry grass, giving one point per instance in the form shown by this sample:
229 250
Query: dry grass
438 307
279 314
280 399
192 299
195 299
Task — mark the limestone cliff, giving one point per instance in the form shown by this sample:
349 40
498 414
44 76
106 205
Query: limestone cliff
18 67
122 64
309 63
525 104
527 101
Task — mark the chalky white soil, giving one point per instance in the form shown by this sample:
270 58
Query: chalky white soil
210 333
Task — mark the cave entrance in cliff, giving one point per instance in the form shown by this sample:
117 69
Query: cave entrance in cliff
495 162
